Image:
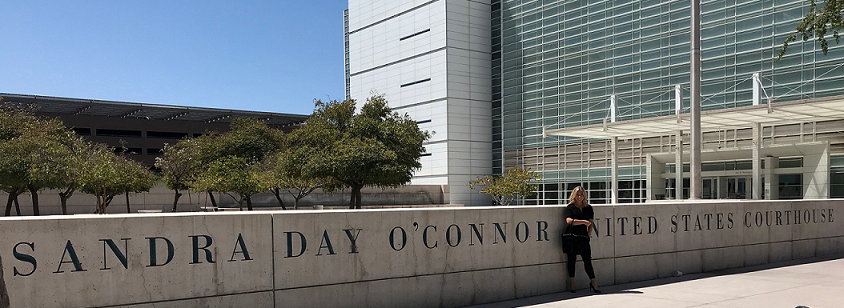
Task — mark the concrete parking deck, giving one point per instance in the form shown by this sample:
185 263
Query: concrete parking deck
813 283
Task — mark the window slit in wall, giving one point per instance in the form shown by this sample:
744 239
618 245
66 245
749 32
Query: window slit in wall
415 34
415 82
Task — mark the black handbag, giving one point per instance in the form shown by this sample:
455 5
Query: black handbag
569 241
573 243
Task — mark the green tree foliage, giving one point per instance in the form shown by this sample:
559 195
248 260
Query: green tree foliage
230 162
14 122
36 154
505 188
106 175
376 147
98 176
249 139
231 174
285 171
818 23
133 178
182 162
61 166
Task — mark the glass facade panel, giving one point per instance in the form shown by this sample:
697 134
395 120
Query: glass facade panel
570 56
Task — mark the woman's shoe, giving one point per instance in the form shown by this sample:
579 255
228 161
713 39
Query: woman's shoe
594 289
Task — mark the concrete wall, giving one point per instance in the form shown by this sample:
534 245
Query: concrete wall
445 257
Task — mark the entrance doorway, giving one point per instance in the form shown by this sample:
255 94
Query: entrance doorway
738 187
710 188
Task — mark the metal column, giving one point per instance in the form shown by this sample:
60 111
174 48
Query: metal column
678 159
614 158
757 87
678 163
756 186
696 140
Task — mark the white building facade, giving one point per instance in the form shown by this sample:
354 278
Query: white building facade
431 60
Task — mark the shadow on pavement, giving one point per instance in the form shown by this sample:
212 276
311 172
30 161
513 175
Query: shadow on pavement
630 288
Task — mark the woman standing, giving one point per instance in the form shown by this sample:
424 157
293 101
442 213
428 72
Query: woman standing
579 218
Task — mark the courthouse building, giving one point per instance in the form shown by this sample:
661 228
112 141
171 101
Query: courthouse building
596 93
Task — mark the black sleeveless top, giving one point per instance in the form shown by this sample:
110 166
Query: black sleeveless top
585 214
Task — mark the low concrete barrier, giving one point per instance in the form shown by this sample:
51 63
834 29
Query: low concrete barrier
445 257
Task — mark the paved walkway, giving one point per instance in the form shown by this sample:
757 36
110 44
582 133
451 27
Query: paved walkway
814 283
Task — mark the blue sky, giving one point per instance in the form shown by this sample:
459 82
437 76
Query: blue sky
273 56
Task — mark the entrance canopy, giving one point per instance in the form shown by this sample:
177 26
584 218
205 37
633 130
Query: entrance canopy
792 112
778 150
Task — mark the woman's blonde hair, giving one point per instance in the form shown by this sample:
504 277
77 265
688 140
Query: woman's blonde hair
574 194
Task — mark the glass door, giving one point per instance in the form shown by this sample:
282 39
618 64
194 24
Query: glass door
738 188
710 188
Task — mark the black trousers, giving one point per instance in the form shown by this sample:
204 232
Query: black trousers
586 256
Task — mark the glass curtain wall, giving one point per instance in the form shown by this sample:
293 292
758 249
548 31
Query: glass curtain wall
556 63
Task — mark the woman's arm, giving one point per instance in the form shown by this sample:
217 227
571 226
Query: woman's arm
575 222
589 233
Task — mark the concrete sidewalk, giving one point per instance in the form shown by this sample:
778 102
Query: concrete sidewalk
814 283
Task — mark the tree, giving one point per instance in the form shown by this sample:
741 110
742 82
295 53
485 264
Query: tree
376 147
250 139
817 23
61 166
14 121
284 171
133 178
182 162
505 188
101 176
42 153
230 163
231 174
50 145
36 154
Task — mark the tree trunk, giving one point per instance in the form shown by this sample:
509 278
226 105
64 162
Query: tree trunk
102 205
295 203
9 202
34 192
63 196
176 199
17 205
4 293
249 202
99 208
211 196
277 194
63 200
355 202
127 203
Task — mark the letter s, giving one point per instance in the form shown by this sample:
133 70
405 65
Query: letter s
25 258
673 223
